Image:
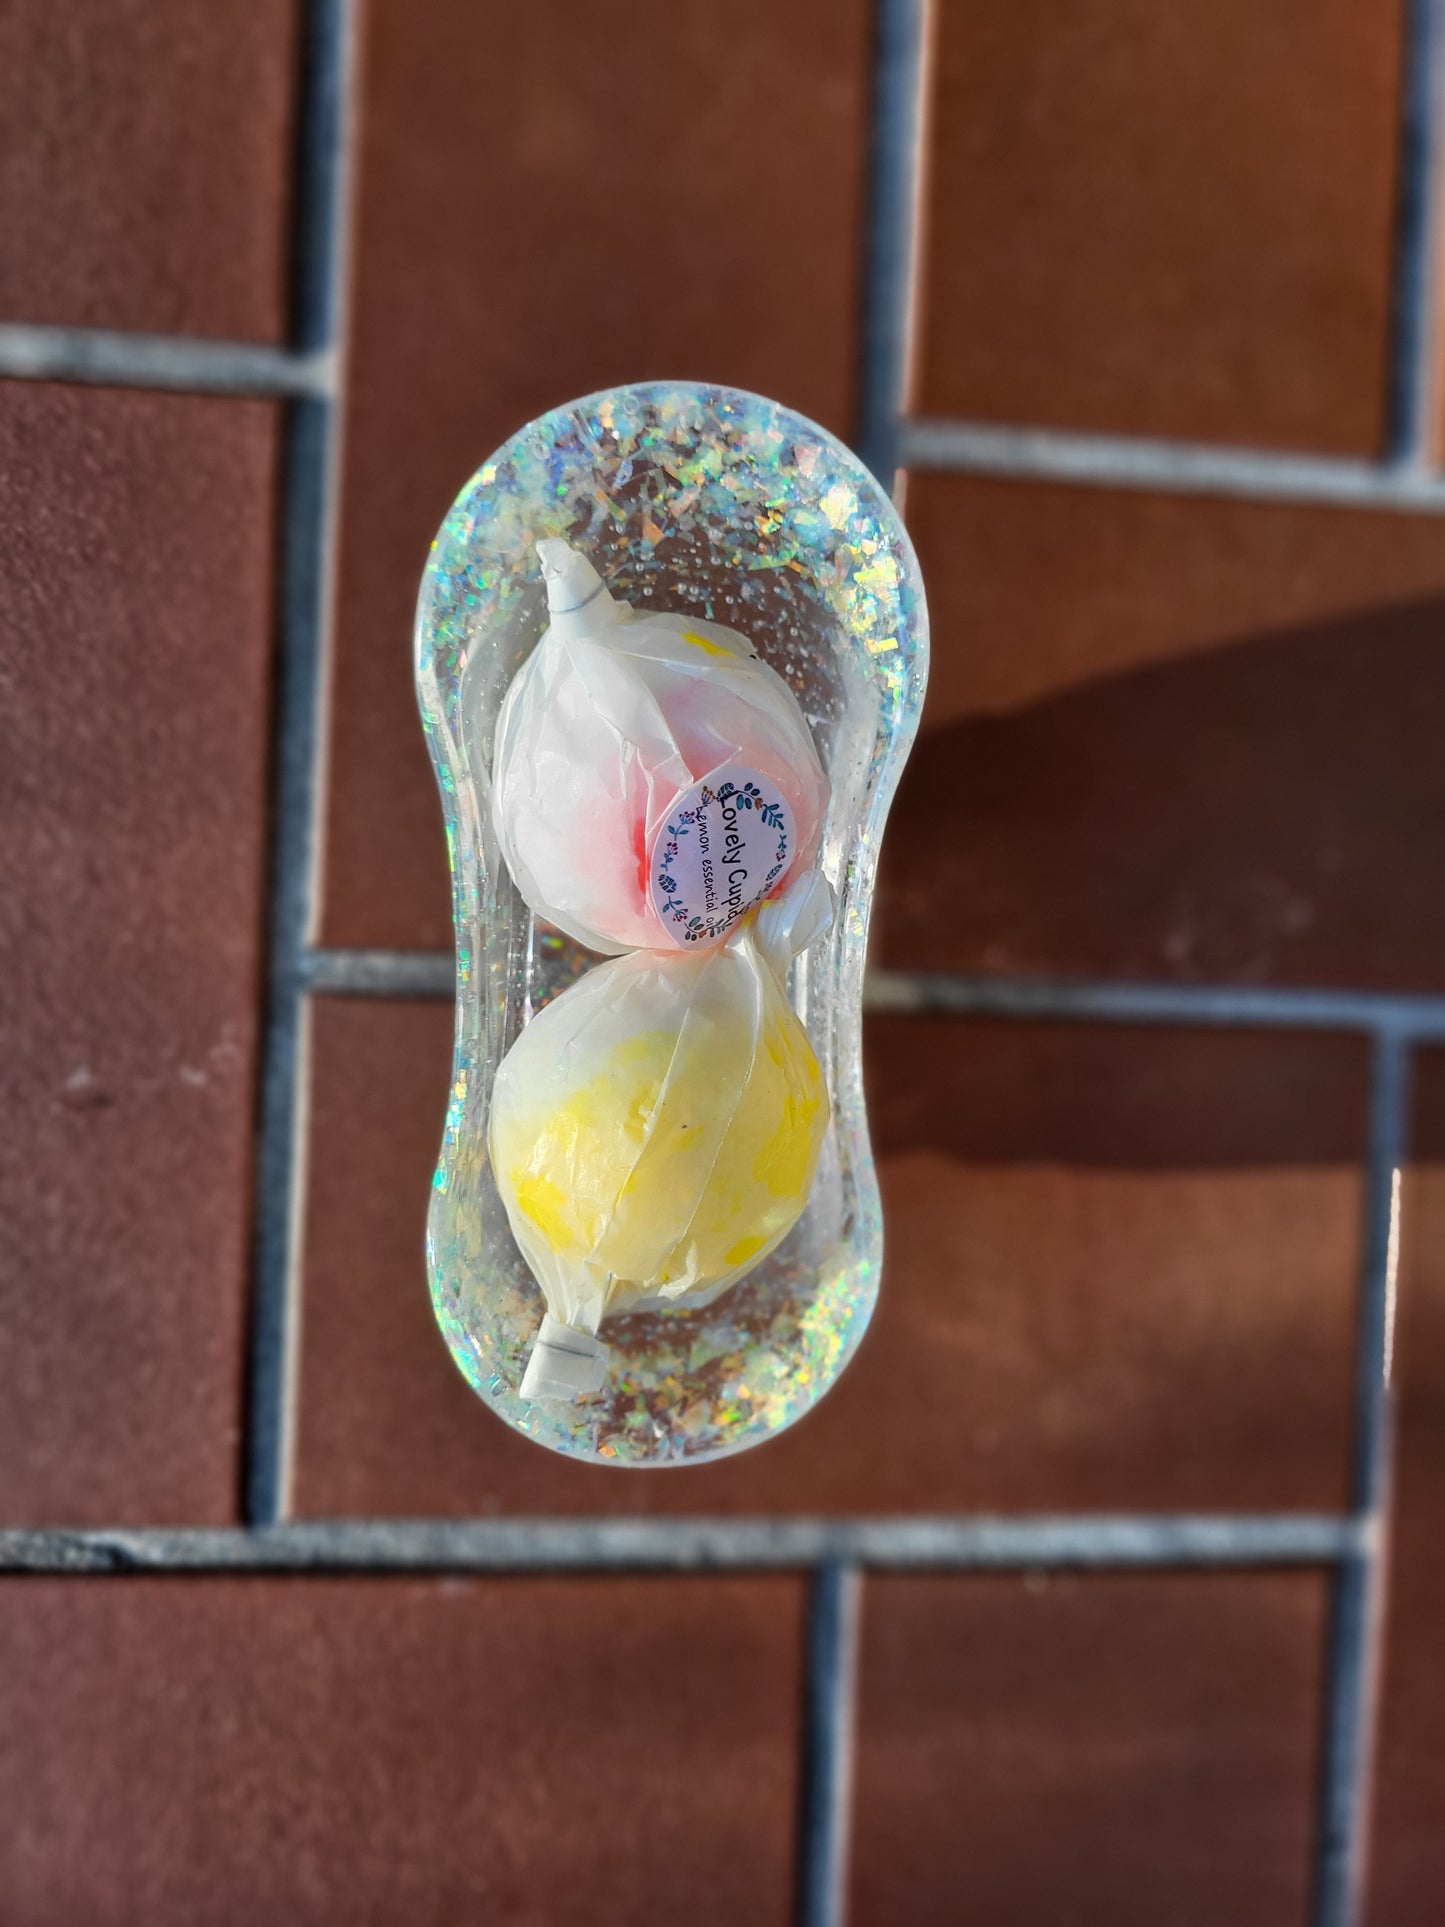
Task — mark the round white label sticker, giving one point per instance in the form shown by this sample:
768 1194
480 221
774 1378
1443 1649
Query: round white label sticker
721 848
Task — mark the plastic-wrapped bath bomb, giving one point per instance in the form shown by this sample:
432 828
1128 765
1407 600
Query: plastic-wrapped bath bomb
653 779
655 1131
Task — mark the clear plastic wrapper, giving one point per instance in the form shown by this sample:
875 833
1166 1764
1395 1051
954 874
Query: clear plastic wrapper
653 778
655 1132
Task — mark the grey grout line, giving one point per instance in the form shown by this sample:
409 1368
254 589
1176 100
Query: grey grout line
1124 462
429 974
1413 426
283 1076
1358 1594
1379 1252
1342 1825
1085 1000
892 246
186 363
1074 1542
380 973
194 365
319 248
1355 1633
891 228
306 565
829 1716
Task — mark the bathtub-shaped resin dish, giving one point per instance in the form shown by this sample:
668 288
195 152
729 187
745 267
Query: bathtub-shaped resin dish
720 505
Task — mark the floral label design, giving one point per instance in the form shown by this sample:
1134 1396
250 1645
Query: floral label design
722 847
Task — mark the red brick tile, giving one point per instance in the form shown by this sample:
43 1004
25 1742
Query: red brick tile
1408 1870
203 1752
545 209
1119 1273
145 176
1130 1750
136 580
1173 738
1141 1099
1164 220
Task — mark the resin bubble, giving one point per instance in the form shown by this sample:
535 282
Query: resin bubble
722 505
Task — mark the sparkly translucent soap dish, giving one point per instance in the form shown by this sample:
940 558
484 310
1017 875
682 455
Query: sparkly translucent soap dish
720 505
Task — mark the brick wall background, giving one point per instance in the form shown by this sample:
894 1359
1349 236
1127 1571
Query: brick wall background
1096 1608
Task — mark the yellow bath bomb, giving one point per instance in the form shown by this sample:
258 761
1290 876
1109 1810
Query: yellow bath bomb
655 1131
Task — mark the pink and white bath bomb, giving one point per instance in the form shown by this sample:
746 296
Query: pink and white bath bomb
653 778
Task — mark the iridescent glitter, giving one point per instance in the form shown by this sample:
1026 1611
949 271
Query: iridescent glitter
730 507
